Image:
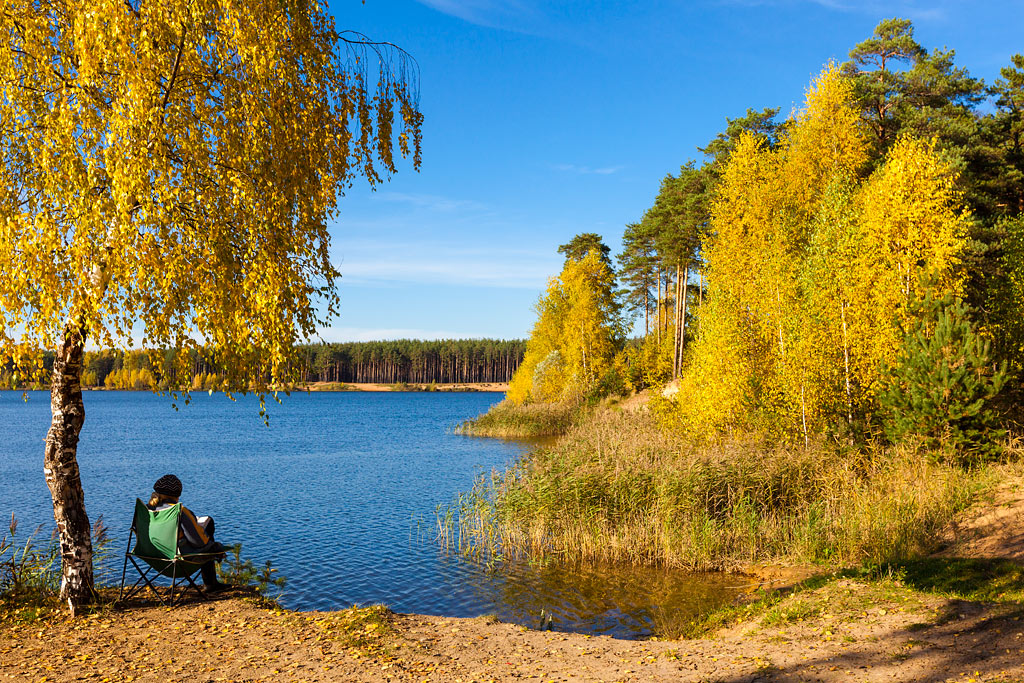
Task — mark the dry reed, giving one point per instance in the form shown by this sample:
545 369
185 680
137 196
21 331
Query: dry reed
616 488
507 420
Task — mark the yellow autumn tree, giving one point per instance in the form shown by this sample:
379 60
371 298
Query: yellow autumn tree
576 336
810 270
169 171
761 228
913 232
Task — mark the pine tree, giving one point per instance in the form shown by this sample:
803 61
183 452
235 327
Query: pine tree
638 272
902 88
942 385
579 246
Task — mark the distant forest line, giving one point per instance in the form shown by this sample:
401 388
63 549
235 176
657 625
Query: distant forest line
385 362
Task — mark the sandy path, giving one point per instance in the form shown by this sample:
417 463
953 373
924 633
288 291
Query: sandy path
898 638
993 527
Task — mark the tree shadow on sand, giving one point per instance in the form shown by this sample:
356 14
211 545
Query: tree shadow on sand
976 632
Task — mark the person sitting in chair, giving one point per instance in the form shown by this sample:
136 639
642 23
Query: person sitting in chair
195 534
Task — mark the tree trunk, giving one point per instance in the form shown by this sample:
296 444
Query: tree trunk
676 323
700 299
846 363
803 413
659 306
647 311
62 475
682 324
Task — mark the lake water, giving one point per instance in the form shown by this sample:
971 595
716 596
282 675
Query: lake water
340 492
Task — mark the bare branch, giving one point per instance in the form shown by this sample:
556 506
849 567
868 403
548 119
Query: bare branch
174 72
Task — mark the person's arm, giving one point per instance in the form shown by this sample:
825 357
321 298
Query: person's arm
195 535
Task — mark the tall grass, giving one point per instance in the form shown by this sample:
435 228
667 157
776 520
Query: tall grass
507 420
30 569
616 488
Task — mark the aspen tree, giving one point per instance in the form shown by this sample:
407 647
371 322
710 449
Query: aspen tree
914 234
169 171
811 268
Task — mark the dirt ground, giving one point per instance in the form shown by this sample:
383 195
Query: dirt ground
846 630
994 527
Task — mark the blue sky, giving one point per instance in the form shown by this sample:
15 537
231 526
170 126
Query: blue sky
543 120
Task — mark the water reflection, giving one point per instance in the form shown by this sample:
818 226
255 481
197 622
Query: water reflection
621 601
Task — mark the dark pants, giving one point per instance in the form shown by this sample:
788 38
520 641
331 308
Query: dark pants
209 572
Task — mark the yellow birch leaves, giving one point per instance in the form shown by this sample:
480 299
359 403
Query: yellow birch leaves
810 268
574 340
169 171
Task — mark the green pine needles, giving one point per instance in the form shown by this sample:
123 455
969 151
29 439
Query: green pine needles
943 383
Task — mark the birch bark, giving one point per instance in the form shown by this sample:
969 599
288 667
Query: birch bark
60 466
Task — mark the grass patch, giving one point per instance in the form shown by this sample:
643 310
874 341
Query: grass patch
366 630
836 598
618 489
853 594
979 580
20 613
507 420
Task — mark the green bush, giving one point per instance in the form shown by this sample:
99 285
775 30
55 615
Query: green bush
237 571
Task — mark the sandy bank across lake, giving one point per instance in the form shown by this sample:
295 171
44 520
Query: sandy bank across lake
363 386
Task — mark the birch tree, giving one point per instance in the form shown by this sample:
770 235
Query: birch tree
576 335
169 172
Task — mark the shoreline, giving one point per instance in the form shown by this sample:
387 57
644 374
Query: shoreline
846 629
399 387
495 387
955 615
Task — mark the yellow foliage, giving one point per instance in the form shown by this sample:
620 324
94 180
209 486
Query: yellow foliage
713 389
647 364
810 271
574 341
173 174
826 142
914 230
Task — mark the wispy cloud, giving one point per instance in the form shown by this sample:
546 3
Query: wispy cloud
432 202
368 263
512 15
587 170
914 9
347 334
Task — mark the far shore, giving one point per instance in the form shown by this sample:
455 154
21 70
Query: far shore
495 387
402 386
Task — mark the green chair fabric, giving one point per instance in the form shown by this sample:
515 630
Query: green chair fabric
156 541
156 545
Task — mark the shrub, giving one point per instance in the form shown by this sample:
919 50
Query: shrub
237 571
508 420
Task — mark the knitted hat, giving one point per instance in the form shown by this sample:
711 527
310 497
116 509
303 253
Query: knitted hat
168 485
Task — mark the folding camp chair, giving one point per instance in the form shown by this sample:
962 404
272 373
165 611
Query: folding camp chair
156 544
